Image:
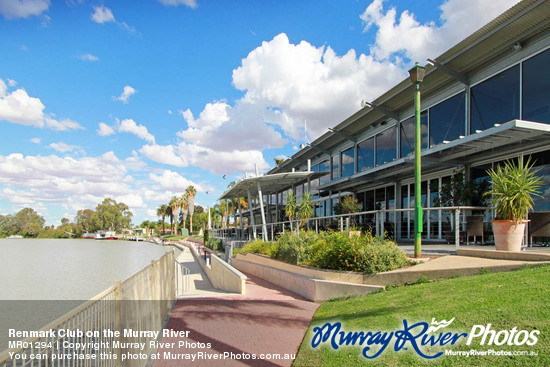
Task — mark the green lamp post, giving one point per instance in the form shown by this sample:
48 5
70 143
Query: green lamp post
417 75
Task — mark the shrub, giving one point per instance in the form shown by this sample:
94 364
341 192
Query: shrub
259 247
214 244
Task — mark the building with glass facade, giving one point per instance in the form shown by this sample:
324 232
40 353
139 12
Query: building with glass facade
484 101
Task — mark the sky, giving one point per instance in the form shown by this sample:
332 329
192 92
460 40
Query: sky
137 100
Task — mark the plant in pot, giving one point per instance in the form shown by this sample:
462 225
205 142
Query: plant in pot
512 190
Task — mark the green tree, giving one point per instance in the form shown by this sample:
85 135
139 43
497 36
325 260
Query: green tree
162 212
85 219
305 210
290 208
112 215
174 204
7 225
28 222
184 206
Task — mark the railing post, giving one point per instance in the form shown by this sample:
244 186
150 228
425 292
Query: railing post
457 228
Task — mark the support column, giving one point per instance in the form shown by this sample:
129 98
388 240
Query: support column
251 212
264 227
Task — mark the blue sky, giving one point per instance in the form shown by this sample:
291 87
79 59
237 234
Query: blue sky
136 100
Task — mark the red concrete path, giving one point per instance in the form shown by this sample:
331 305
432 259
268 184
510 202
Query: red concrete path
267 320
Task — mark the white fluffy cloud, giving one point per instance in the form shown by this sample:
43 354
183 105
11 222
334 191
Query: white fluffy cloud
165 154
19 108
173 181
102 14
13 9
130 126
189 3
127 92
126 126
219 162
404 36
105 130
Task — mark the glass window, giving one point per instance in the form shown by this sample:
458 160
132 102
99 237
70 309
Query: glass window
542 162
447 120
348 162
335 167
496 100
536 88
385 146
407 134
365 154
324 167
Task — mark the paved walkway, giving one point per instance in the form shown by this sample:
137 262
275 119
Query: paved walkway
234 328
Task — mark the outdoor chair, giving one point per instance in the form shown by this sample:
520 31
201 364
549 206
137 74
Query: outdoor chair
539 226
474 228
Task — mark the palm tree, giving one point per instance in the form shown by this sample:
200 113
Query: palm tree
175 205
169 214
184 205
162 212
222 207
290 208
305 211
191 192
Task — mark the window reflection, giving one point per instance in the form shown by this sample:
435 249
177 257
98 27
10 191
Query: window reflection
365 154
407 134
348 162
447 120
496 100
536 88
385 146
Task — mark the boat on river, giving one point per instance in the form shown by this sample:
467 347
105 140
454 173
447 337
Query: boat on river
105 235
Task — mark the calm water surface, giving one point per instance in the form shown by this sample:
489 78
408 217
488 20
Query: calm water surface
53 269
41 280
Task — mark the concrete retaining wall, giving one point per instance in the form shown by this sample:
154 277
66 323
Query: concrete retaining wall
222 275
316 290
310 272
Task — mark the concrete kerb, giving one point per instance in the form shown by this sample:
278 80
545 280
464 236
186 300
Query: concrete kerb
505 255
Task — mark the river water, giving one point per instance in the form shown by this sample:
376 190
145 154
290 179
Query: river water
41 279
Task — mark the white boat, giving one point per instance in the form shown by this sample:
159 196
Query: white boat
105 235
89 235
15 236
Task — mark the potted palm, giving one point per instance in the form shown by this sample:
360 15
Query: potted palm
512 190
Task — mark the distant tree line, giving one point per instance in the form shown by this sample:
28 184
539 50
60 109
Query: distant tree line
109 215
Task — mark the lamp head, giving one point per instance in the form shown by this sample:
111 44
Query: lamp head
417 73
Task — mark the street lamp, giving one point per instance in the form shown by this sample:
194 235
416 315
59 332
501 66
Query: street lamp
417 75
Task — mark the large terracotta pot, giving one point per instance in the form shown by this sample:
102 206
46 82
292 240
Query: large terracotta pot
508 234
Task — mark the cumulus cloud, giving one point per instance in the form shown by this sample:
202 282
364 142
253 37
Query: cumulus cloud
218 162
309 84
105 130
189 3
404 37
36 140
165 154
18 107
102 15
130 126
14 9
173 181
88 57
11 82
126 94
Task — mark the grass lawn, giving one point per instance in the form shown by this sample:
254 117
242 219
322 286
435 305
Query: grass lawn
174 238
505 300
